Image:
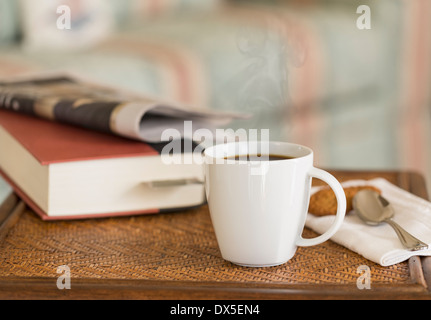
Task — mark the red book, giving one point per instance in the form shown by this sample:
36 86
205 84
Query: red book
66 172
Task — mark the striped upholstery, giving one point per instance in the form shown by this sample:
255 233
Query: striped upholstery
8 21
360 98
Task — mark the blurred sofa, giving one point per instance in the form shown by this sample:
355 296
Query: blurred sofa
359 97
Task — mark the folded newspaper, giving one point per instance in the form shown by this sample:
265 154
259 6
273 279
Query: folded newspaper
75 101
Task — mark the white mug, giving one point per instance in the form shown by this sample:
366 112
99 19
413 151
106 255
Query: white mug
258 208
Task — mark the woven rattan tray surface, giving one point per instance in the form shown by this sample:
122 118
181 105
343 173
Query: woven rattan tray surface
176 255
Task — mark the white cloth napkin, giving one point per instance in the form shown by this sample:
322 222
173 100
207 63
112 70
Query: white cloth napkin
380 243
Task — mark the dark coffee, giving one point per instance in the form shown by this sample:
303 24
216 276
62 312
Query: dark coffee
259 157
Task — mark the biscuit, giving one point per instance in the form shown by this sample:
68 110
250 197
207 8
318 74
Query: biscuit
324 202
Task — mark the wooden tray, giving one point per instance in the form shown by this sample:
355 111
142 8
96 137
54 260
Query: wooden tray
175 256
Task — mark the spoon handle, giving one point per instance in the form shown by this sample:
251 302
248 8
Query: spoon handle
409 241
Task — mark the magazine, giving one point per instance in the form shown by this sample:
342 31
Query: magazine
71 100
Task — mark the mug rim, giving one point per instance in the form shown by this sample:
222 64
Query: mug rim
210 151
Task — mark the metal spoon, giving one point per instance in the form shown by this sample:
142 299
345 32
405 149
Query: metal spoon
373 209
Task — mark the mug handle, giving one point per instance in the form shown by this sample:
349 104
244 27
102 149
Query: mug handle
341 208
